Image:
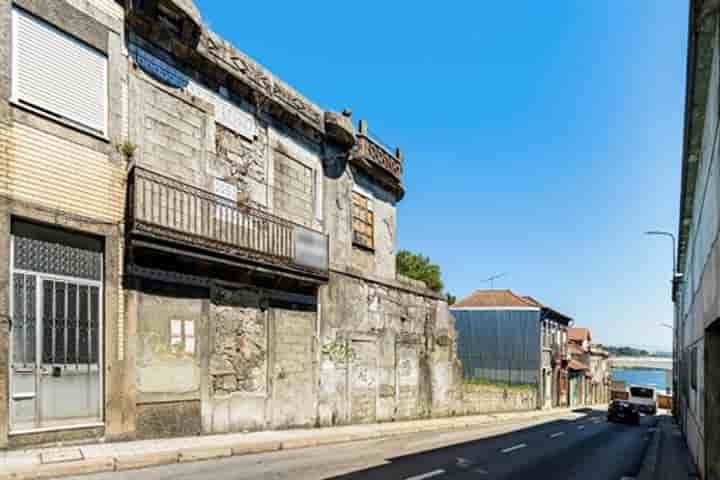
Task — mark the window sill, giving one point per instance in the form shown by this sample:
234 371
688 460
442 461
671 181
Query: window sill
26 107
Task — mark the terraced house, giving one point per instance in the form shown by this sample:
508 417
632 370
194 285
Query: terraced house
189 245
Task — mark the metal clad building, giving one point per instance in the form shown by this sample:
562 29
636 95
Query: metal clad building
500 345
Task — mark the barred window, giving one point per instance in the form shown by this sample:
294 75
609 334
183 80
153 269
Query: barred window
363 220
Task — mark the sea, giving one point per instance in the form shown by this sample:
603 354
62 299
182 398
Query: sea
651 378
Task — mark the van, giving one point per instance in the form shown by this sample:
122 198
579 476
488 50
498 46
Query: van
644 398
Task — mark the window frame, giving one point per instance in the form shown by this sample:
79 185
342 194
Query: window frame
369 209
17 100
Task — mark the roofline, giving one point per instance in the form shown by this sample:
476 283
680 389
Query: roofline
693 110
534 309
689 91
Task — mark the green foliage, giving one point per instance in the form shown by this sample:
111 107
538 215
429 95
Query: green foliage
451 299
127 149
339 351
419 267
627 352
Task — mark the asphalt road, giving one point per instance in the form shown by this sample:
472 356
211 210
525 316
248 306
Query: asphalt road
588 448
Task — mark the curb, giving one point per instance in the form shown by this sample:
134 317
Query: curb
132 461
650 461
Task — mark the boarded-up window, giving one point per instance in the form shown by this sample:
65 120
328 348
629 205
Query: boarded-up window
57 74
363 220
293 189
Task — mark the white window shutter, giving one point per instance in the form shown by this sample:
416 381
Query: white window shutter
57 73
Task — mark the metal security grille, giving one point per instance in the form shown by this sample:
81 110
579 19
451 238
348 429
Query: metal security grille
70 323
24 326
57 259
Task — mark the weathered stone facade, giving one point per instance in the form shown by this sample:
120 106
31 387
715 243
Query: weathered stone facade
235 293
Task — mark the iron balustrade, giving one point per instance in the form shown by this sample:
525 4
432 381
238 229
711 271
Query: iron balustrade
170 209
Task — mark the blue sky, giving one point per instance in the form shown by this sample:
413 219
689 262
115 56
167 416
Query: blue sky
541 138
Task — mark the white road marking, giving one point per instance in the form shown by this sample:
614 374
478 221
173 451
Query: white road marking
558 434
512 449
481 471
434 473
581 427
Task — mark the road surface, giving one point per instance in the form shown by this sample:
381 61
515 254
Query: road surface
588 448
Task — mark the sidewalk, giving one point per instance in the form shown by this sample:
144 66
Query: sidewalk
105 457
668 457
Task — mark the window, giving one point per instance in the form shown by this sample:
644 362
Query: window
641 392
363 221
182 336
293 189
58 75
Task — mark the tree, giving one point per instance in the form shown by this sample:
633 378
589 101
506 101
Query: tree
451 299
419 267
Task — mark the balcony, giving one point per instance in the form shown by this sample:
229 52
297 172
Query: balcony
169 210
377 157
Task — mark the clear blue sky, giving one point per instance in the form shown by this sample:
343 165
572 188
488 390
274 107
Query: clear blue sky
541 138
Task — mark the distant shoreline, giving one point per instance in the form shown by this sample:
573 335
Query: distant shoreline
641 367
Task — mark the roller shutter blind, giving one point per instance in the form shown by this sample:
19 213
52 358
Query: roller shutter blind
58 74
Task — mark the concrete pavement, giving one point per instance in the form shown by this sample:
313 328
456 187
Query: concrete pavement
107 457
668 457
570 446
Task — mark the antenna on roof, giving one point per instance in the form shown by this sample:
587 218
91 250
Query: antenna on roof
493 278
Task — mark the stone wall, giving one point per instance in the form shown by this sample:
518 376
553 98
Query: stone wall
478 399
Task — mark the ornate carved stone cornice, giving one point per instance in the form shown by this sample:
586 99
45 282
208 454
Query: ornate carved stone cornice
383 166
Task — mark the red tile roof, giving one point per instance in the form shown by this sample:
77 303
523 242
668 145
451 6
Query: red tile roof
579 334
495 298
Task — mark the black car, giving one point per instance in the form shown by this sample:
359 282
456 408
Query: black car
621 411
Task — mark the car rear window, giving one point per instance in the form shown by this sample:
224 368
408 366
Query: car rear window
641 392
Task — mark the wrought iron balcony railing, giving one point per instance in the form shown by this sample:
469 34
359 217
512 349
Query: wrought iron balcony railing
171 210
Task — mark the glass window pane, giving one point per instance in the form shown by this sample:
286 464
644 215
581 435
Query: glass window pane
72 318
47 322
18 318
83 325
94 323
30 318
60 327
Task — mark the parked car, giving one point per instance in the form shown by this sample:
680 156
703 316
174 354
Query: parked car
644 398
624 412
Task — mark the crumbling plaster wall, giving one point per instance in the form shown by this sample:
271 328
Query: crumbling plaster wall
386 353
192 129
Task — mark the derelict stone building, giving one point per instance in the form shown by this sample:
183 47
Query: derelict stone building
191 246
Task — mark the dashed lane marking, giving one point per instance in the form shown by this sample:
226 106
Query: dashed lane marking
512 449
558 434
581 427
481 471
434 473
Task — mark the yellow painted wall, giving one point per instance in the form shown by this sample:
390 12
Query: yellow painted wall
49 171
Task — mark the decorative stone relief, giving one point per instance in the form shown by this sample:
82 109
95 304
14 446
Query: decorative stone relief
236 61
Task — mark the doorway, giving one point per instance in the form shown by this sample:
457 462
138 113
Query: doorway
712 401
56 334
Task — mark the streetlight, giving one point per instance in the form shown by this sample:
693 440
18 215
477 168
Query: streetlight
672 237
676 278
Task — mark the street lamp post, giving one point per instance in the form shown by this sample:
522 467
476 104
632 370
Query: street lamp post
676 347
672 237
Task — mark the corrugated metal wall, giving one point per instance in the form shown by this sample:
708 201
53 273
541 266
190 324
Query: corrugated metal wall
499 345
